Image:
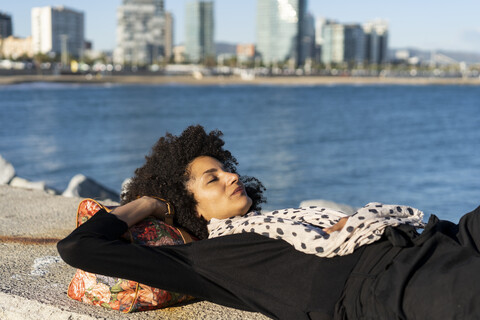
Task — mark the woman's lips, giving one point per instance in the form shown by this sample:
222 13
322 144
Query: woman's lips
238 190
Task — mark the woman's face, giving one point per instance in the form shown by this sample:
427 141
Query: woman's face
219 194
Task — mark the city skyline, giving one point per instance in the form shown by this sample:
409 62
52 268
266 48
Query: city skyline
444 25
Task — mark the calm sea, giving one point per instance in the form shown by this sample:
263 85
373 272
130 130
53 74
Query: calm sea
415 145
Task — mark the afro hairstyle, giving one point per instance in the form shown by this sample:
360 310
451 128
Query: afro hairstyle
165 175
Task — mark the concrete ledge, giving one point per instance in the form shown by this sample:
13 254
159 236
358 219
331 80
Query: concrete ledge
13 307
34 278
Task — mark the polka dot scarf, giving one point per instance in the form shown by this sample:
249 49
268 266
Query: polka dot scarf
302 227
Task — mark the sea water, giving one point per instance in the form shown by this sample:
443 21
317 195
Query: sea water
353 144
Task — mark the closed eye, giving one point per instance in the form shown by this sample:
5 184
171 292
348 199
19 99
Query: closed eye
212 180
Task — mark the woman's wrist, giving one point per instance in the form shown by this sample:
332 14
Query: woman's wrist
160 208
137 210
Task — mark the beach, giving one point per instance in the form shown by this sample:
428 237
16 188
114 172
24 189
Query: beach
235 80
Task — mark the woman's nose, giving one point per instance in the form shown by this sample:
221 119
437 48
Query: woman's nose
232 177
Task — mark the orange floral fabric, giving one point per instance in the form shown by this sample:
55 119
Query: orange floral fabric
121 294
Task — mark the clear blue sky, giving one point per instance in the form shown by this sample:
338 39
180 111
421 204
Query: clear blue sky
424 24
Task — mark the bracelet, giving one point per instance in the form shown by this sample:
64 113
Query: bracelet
170 211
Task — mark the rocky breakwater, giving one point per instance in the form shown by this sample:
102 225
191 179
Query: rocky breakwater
79 185
34 279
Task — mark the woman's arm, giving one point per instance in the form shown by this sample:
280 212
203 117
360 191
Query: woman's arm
137 210
96 246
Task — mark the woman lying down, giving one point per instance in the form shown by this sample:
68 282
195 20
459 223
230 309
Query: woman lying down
302 263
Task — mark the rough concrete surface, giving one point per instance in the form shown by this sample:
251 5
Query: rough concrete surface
34 279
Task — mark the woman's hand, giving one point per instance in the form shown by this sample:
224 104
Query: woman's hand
337 226
139 209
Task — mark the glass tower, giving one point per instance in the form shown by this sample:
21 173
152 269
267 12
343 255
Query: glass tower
5 25
199 31
376 41
280 30
343 43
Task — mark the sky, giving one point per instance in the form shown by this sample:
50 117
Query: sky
422 24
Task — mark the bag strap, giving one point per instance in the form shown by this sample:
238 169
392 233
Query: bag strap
187 238
169 220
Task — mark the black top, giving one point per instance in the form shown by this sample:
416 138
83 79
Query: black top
428 276
245 271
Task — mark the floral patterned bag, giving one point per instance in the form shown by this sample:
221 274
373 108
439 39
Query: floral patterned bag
120 294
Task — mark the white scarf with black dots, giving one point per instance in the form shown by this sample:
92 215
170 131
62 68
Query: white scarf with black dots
303 227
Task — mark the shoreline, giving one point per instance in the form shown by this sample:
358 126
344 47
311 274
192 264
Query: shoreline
234 80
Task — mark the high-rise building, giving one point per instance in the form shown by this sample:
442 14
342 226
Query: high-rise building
199 31
280 31
140 32
59 30
320 23
6 29
333 46
343 43
376 41
308 38
168 36
354 51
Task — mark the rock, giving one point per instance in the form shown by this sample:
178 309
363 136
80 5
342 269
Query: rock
125 184
82 186
329 204
7 171
25 184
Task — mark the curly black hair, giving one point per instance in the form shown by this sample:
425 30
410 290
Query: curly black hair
165 175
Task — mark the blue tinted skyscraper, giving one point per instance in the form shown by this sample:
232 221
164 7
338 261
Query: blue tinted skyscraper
5 25
199 31
376 41
354 51
343 43
280 30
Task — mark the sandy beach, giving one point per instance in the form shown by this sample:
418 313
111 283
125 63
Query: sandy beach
234 80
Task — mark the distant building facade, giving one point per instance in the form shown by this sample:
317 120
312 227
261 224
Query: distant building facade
320 24
13 47
333 45
245 52
281 31
140 32
199 31
376 41
343 43
58 30
169 36
308 38
354 51
179 54
6 29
